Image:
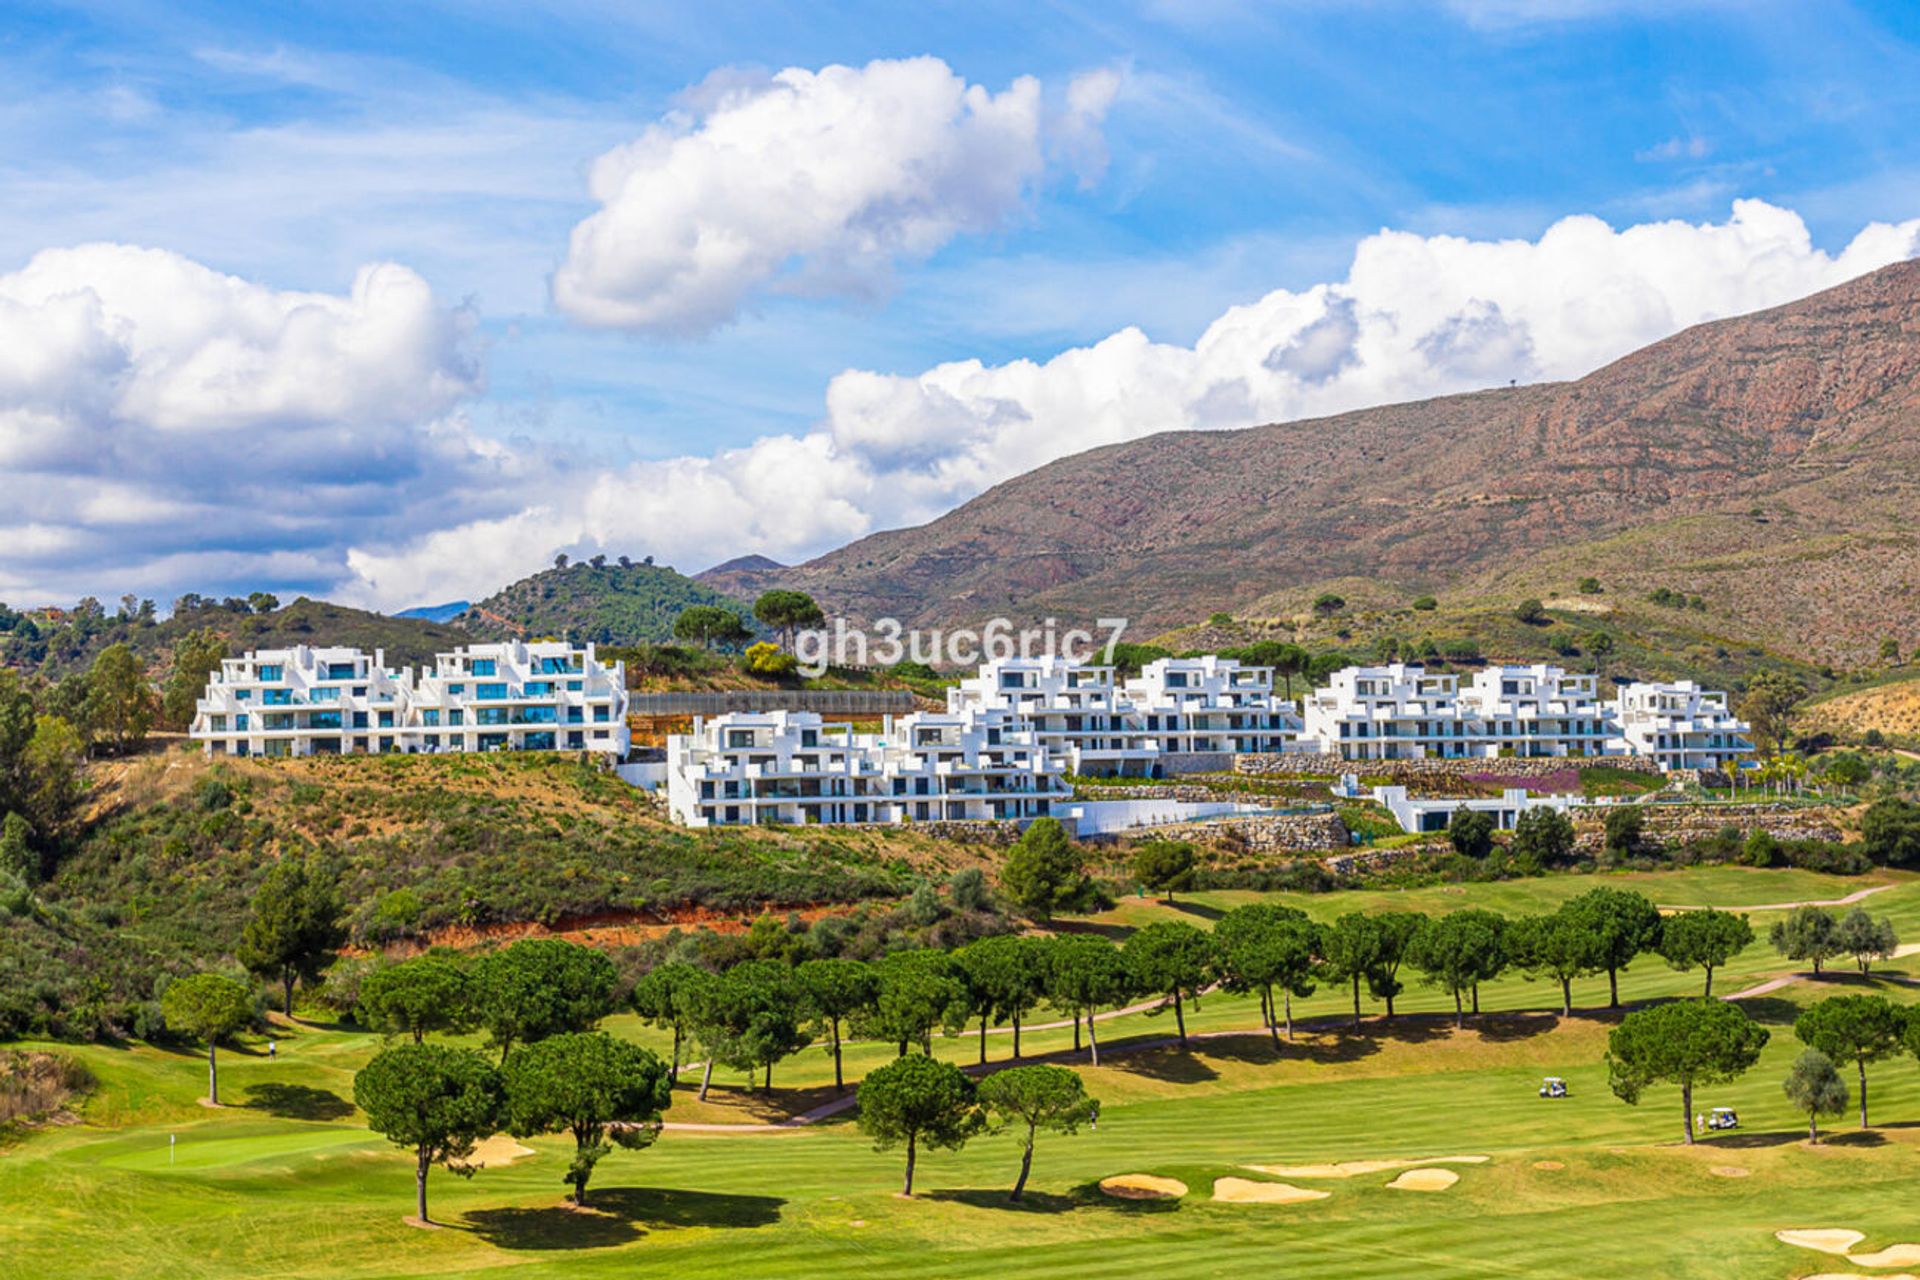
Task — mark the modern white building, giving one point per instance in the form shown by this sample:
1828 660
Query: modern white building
1537 710
1207 705
484 697
1073 708
792 767
301 701
1392 712
1679 724
543 696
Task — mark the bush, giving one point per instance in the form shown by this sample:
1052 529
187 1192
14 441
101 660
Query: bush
1589 586
1327 602
766 659
1532 612
1426 604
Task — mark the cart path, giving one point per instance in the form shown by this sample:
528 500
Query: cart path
1856 896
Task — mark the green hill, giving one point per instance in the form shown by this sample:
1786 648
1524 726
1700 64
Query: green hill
619 603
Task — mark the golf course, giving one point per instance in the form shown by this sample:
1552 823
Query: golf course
1406 1148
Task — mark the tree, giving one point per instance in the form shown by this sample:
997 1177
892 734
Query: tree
1768 706
1328 603
1470 832
17 858
1622 925
765 659
1813 1086
1085 975
1589 586
590 1085
1542 838
436 1100
1261 946
914 1100
1530 611
1622 826
1397 932
1688 1042
208 1007
708 624
918 991
664 998
541 987
52 778
788 612
1351 950
1860 1029
833 991
1865 939
1458 951
1164 866
262 601
196 656
1847 769
1173 959
1554 946
295 931
1806 934
752 1018
1039 1097
1043 872
1007 976
1890 830
1425 604
1705 938
1289 661
119 703
431 992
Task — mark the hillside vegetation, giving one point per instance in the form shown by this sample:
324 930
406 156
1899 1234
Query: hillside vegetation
603 603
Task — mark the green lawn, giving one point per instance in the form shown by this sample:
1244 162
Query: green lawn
288 1184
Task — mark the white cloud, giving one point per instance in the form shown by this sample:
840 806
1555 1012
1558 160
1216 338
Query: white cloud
815 181
1415 316
151 407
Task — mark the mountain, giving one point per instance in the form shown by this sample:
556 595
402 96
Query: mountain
584 601
1768 465
437 612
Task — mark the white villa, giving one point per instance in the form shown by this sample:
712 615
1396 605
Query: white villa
1680 725
484 697
791 767
1209 704
1074 709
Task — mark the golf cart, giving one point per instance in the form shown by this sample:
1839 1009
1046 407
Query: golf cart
1553 1087
1722 1118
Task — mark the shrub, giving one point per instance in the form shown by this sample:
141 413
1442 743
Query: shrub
1530 611
1426 604
766 659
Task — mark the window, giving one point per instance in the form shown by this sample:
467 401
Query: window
600 715
269 672
323 720
575 686
539 689
431 719
360 691
456 690
386 719
326 695
456 718
277 697
386 744
483 666
219 724
340 671
359 719
279 720
243 695
240 723
490 691
574 716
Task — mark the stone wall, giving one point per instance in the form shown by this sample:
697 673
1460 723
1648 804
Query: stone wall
1364 859
1266 833
1186 793
1408 772
1681 824
1174 764
971 831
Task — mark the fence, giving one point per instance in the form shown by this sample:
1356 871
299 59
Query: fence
832 702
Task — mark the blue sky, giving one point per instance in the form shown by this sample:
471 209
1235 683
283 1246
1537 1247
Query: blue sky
1241 150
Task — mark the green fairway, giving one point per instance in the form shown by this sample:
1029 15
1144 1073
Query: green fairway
288 1182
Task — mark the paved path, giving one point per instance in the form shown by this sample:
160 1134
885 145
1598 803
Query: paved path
1856 896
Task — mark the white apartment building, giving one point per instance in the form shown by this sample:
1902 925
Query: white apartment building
1679 724
1208 704
1392 712
1074 710
301 701
792 767
515 696
1537 710
485 697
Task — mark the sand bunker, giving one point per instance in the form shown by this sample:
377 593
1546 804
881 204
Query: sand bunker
492 1153
1246 1191
1728 1171
1425 1180
1824 1239
1548 1166
1142 1186
1356 1168
1894 1255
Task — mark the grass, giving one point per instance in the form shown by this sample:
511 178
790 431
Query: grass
289 1183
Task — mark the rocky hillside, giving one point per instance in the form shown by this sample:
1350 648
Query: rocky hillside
598 601
1768 464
